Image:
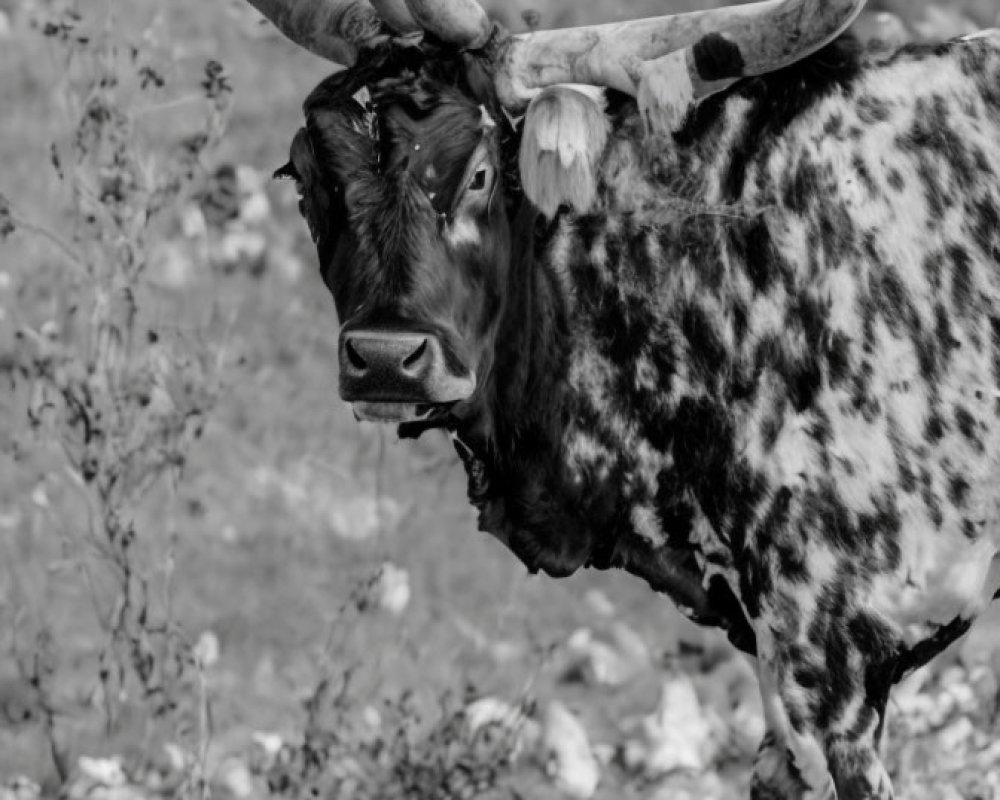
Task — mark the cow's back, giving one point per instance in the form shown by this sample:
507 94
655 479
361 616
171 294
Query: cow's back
884 207
795 315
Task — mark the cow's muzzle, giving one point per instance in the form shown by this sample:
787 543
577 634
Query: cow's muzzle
391 376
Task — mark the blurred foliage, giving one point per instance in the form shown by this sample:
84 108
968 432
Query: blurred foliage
118 406
178 462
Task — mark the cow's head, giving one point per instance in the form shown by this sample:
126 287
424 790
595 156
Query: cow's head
401 179
404 159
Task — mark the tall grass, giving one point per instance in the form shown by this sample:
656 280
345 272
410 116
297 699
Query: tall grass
113 405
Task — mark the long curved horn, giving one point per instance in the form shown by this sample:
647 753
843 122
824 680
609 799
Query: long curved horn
332 29
670 62
461 22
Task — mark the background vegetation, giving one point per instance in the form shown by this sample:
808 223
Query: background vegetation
212 580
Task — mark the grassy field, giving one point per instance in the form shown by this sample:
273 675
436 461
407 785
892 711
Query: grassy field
269 541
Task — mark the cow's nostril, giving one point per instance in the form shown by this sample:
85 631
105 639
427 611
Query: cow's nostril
414 358
354 357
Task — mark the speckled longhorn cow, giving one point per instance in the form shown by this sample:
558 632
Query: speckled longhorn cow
730 321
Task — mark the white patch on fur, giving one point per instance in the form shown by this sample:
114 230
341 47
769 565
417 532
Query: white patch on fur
666 93
486 121
462 232
587 458
646 375
362 97
944 580
861 452
647 524
565 133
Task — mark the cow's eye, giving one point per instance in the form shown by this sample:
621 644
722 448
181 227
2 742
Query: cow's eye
478 182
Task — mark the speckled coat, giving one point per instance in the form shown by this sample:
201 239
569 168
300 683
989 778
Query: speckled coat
762 374
776 394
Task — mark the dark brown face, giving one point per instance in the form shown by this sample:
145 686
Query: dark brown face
404 201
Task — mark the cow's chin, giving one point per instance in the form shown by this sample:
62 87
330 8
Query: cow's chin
397 413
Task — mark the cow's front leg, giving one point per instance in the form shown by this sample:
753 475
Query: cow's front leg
824 690
796 760
775 773
790 763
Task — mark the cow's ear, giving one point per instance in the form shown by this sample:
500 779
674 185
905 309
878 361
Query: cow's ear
565 133
288 172
314 202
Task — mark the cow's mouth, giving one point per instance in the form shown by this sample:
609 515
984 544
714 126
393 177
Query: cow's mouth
400 413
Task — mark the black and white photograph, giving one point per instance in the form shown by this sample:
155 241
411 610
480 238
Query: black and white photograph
499 399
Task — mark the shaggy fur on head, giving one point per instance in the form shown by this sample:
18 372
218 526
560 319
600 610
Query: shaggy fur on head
565 133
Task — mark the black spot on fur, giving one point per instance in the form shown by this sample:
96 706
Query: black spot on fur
740 317
838 358
935 428
986 216
958 490
802 185
928 359
895 180
821 428
862 398
889 292
775 535
752 243
704 452
804 379
942 329
872 109
824 508
706 349
775 100
938 200
930 498
880 531
672 507
868 311
864 174
772 423
932 132
995 343
961 279
933 266
966 424
900 451
830 632
834 126
809 676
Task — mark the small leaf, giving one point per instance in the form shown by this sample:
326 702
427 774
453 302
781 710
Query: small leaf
7 226
216 83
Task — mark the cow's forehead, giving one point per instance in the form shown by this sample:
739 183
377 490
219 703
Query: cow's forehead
428 138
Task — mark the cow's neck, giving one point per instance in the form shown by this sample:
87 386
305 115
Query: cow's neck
535 490
511 443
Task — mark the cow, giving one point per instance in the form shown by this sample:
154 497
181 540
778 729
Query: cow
711 298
